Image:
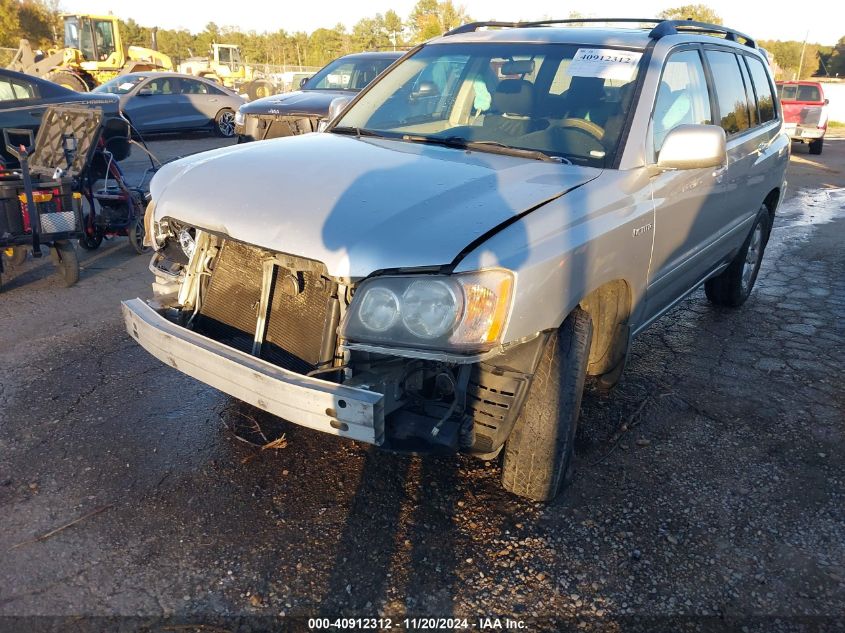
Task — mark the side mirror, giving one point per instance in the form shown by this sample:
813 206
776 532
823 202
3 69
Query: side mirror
146 91
693 147
827 101
423 90
336 107
303 81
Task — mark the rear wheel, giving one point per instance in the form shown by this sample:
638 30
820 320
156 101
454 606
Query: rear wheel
733 286
538 453
816 146
224 123
68 80
65 259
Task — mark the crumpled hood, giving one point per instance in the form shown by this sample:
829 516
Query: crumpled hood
314 102
357 205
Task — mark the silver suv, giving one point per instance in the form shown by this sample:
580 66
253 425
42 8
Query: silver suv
479 230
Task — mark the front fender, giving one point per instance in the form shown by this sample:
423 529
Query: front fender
596 234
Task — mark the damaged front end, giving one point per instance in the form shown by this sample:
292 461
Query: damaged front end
408 361
260 127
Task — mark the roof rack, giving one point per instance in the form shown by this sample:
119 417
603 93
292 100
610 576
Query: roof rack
662 27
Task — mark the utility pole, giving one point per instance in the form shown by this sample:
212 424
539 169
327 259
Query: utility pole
801 63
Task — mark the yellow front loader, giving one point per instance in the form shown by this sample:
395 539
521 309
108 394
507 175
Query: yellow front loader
93 53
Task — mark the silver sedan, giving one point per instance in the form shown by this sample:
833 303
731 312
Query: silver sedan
171 102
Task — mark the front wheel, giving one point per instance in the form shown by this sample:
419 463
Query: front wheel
539 451
65 259
259 89
135 231
224 123
733 286
92 237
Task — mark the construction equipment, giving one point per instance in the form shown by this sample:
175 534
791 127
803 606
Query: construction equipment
94 52
224 65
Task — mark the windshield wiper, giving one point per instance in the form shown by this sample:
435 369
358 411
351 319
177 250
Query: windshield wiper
492 147
356 131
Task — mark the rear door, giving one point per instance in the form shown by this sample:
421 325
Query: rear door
741 187
154 105
202 102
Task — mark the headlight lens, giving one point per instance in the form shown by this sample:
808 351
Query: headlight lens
239 118
463 313
186 241
379 310
430 308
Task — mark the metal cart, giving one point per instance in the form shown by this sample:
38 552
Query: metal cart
39 205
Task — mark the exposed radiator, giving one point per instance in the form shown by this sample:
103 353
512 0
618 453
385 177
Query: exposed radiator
300 327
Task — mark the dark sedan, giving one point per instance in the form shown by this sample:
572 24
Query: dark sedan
300 112
172 102
23 100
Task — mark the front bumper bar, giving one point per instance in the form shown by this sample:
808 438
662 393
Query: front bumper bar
354 413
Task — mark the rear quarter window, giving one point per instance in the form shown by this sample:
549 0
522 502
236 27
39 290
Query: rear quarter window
763 89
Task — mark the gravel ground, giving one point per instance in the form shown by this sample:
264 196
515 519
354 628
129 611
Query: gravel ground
708 487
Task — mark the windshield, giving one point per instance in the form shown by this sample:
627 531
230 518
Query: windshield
559 99
347 74
120 85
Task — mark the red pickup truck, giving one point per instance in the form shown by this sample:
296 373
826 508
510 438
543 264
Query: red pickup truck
804 112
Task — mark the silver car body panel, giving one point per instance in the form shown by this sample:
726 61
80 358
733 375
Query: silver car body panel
357 205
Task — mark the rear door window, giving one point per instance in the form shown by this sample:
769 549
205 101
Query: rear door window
731 97
763 89
682 97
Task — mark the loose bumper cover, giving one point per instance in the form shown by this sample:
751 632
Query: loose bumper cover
349 412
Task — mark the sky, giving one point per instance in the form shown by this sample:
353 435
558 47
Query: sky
759 19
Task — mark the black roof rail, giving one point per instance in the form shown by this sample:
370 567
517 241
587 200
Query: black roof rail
673 27
662 28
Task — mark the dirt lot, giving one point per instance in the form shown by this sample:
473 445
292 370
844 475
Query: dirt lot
710 486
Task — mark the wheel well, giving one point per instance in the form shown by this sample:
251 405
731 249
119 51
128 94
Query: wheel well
771 203
609 307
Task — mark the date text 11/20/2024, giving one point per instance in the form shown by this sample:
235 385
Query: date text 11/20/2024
416 624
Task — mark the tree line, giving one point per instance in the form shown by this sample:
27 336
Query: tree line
39 22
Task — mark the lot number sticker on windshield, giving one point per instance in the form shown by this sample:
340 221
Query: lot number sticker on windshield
606 63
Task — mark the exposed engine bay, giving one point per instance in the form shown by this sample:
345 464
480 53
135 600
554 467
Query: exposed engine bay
287 310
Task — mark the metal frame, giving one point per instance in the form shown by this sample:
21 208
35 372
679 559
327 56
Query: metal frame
662 28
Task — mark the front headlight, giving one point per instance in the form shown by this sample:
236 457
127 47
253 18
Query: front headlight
465 312
240 117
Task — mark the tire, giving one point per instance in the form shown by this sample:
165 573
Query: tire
816 146
67 79
538 453
66 260
733 286
135 232
224 123
258 89
90 241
